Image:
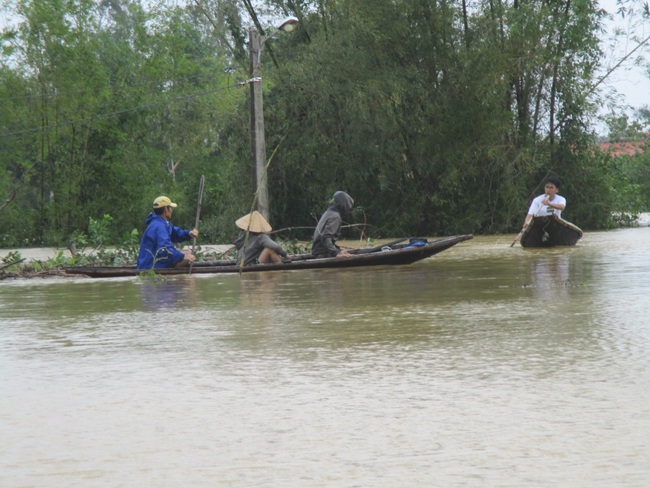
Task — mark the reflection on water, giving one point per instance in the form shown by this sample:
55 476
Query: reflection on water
485 365
550 278
170 294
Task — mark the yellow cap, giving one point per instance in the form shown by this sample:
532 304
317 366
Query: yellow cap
161 202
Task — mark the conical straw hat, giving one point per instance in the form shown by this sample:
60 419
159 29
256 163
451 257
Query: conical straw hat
256 222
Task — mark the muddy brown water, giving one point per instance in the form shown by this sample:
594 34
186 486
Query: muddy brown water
482 366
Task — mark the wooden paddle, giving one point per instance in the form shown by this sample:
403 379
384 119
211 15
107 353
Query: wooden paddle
377 248
198 210
518 237
365 250
198 216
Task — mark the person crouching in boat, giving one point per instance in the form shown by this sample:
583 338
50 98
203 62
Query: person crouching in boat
260 248
328 230
157 245
550 203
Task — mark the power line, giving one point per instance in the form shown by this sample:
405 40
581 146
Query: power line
120 112
228 71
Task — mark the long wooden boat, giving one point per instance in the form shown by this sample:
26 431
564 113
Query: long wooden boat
386 255
550 231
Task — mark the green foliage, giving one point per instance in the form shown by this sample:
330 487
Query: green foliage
126 105
98 229
435 118
91 249
630 182
150 276
11 262
432 129
294 247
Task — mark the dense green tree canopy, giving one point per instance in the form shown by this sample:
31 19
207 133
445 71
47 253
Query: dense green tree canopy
438 117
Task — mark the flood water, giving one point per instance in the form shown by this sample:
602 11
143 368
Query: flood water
483 366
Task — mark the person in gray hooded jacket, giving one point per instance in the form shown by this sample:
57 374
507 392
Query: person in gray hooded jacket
328 230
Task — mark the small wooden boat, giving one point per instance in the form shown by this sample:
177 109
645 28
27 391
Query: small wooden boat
550 231
390 254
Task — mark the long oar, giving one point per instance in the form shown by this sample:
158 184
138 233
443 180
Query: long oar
377 248
198 210
521 232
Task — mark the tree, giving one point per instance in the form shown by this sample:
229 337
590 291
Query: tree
123 105
436 118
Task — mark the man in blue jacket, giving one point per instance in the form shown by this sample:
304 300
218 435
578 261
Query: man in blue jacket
156 247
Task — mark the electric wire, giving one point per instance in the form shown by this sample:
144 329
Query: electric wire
120 112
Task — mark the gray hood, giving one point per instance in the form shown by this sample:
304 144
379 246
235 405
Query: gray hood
342 202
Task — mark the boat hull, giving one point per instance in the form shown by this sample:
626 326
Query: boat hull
549 232
397 255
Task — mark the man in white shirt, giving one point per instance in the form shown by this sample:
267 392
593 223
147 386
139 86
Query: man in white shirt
550 203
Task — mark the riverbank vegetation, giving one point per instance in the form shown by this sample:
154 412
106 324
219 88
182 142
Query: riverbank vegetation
92 250
437 117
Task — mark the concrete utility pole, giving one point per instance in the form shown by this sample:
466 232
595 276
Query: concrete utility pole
258 140
256 43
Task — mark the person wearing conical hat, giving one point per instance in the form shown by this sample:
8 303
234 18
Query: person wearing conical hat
157 248
328 230
260 248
